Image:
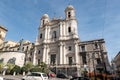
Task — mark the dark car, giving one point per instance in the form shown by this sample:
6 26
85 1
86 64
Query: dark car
79 78
62 75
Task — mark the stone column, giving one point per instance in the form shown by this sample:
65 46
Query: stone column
64 55
61 29
44 53
64 29
34 56
46 59
48 33
61 52
76 52
45 34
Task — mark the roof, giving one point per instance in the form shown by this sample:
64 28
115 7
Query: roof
3 28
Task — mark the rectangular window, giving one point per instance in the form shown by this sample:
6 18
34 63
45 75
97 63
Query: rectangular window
69 48
53 59
40 35
96 46
70 60
69 29
83 48
84 58
38 61
98 61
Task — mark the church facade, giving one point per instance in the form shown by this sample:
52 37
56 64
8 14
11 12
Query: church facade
59 46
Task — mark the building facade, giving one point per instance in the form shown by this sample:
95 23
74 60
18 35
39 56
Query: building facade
3 31
23 46
59 46
116 64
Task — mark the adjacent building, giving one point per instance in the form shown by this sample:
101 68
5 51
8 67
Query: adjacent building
17 49
116 63
3 31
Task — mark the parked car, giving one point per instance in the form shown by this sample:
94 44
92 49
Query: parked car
1 78
62 75
79 78
51 74
36 76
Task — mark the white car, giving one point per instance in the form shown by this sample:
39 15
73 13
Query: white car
1 78
36 76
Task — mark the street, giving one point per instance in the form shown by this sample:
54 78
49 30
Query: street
18 77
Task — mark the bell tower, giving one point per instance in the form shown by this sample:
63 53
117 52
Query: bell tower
70 12
45 19
71 22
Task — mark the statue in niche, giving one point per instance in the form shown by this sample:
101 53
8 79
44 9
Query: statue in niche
12 60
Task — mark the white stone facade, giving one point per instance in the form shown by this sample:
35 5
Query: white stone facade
56 37
58 44
16 58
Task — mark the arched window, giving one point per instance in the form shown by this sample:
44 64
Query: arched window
40 36
69 14
39 52
69 29
96 46
27 48
54 34
23 49
43 22
69 48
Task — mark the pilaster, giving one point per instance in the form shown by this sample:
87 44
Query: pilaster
76 52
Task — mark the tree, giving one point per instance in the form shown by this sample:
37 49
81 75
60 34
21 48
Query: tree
28 66
9 67
1 67
15 69
44 67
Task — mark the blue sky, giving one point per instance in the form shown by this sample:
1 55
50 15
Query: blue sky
96 19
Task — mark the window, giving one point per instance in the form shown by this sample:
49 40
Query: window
43 22
84 58
69 48
53 59
39 52
38 61
40 35
98 61
69 14
29 59
54 34
96 46
70 60
23 49
17 48
27 48
69 29
83 48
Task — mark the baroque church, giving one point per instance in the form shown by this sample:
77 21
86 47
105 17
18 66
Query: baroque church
59 46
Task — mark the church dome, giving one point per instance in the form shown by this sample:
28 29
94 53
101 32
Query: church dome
70 7
45 16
